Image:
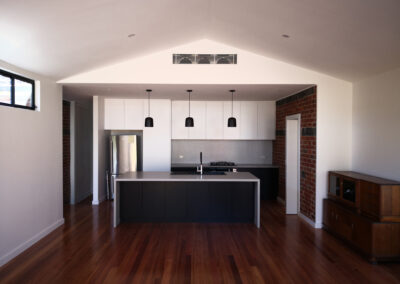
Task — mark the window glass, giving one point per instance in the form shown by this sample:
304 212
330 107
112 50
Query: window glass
23 93
5 89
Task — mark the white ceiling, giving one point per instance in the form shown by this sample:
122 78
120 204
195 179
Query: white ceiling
178 92
348 39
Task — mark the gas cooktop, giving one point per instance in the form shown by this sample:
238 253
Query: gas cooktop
222 163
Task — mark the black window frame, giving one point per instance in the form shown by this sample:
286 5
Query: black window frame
13 76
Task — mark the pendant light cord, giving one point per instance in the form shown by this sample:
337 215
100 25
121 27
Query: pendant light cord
232 104
189 104
148 104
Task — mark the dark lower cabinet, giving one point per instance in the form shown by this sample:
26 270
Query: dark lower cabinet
219 195
197 202
175 201
242 211
153 201
268 181
187 202
268 178
131 201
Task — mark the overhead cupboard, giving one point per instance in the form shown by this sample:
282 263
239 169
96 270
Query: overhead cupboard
124 114
255 120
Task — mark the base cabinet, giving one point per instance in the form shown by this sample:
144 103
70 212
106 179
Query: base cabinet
268 177
187 202
268 181
377 241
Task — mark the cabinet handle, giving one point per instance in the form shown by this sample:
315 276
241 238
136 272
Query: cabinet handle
336 217
352 226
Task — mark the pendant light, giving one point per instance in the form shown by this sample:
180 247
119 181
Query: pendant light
232 120
148 122
189 120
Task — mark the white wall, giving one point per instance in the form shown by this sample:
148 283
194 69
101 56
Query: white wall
334 96
31 199
100 151
334 135
376 129
83 150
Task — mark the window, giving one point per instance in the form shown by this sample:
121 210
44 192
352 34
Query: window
16 91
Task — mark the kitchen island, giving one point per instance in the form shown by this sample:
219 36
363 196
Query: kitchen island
267 173
166 197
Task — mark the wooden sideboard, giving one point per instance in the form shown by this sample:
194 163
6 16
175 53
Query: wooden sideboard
364 211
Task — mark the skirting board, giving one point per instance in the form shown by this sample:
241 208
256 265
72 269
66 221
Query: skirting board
302 216
97 202
309 221
25 245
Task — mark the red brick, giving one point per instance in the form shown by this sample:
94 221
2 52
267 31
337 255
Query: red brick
307 107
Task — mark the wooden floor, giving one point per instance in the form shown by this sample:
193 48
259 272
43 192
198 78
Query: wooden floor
285 250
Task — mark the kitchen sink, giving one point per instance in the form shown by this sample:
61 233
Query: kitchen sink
211 173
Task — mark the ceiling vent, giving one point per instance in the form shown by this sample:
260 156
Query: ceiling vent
204 58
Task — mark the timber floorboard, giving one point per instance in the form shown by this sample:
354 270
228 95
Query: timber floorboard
87 249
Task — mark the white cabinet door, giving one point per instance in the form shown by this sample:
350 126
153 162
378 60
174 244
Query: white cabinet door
248 112
157 139
198 112
134 114
214 120
266 120
179 113
232 132
114 114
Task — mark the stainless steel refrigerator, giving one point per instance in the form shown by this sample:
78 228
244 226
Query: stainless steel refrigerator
125 156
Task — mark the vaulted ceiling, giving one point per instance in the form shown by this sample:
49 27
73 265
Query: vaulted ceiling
349 40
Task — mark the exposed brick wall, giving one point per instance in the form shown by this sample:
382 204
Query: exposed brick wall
66 152
304 103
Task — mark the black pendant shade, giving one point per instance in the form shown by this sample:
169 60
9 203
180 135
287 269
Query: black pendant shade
148 122
232 120
189 122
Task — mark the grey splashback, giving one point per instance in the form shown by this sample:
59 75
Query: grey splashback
238 151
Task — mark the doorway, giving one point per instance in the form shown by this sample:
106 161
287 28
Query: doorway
77 151
66 125
293 130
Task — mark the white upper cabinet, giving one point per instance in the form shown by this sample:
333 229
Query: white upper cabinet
114 114
180 110
255 120
214 120
266 112
231 132
134 112
157 139
198 112
123 114
248 120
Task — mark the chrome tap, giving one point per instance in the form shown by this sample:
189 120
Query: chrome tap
200 167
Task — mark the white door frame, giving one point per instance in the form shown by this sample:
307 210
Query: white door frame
298 118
